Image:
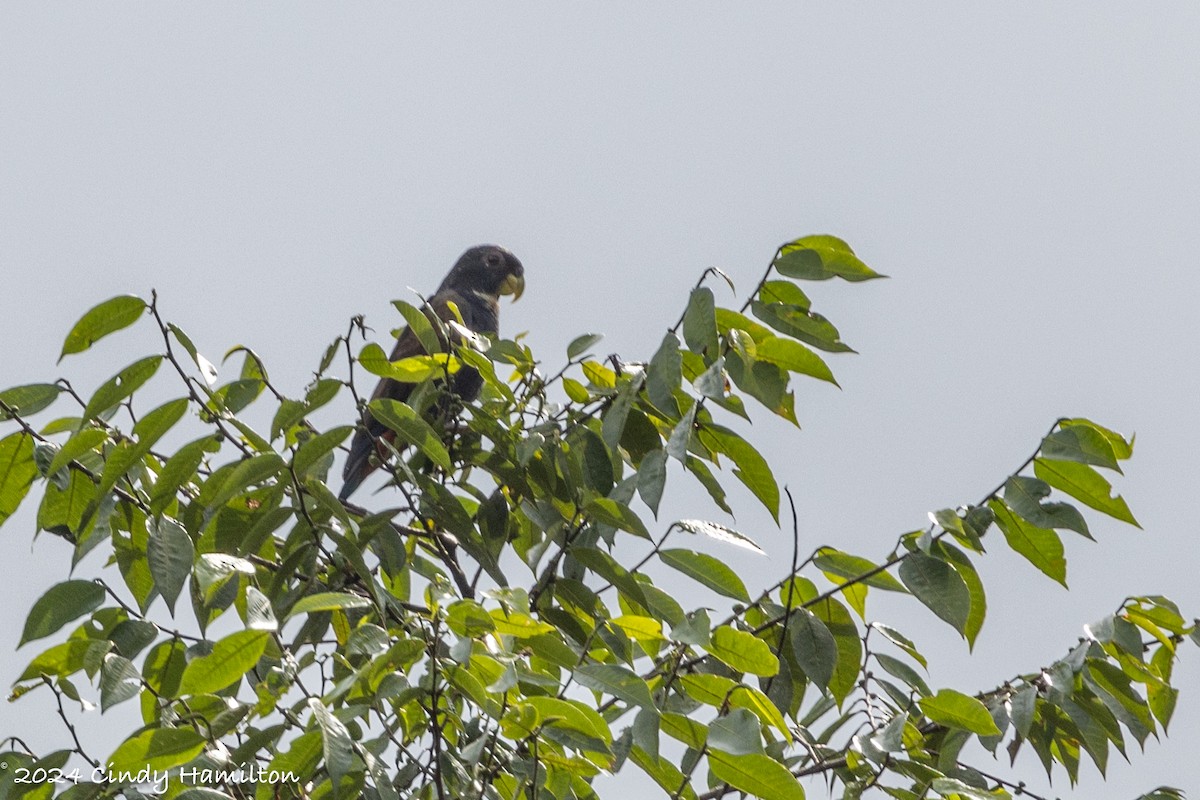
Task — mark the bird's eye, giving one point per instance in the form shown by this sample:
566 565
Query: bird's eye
492 260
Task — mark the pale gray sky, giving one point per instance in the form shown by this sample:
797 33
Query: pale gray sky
1026 173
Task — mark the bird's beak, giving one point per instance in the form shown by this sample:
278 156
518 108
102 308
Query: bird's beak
514 285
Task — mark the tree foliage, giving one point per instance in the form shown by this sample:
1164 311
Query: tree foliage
494 633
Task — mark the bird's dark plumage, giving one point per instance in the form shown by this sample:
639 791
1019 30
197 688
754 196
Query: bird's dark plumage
479 277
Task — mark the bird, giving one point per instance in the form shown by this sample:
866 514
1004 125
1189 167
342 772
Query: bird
474 285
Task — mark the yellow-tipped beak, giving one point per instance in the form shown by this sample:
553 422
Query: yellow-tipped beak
514 285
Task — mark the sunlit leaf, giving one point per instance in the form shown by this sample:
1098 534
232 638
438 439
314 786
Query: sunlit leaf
108 317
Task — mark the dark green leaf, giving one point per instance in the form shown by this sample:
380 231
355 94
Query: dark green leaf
939 587
700 322
712 572
1025 495
412 429
170 553
962 565
651 478
63 603
799 323
110 316
1085 485
853 567
664 374
338 747
813 646
580 344
615 680
838 620
1082 444
752 469
119 681
736 733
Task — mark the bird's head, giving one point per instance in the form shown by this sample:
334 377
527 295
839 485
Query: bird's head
488 269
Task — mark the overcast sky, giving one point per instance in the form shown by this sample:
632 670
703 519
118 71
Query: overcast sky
1026 175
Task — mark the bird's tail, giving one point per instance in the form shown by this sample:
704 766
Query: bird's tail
358 463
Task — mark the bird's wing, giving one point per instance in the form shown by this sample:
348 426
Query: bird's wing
359 464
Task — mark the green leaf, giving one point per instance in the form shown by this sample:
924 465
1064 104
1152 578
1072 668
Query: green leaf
900 640
1082 444
119 681
63 603
652 477
156 749
17 471
121 386
1040 546
966 570
208 370
27 400
414 369
338 747
1024 497
248 472
803 324
170 553
852 567
904 672
813 646
939 587
84 441
742 651
61 660
580 344
412 429
573 715
712 572
180 469
957 710
1085 485
664 374
794 357
618 681
700 322
818 258
316 448
421 326
230 659
619 515
328 601
838 620
752 469
736 733
110 316
756 774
